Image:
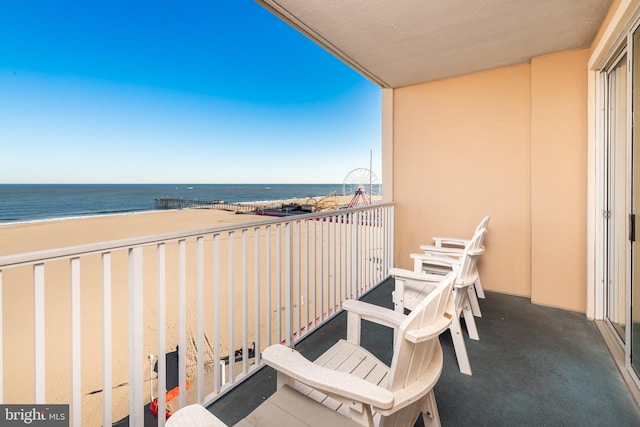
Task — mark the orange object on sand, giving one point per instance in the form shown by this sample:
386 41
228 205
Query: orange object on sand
176 391
153 407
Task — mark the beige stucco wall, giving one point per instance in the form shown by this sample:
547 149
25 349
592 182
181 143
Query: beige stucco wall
461 151
558 179
511 143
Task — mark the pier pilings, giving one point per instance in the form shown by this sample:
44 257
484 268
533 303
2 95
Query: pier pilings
169 203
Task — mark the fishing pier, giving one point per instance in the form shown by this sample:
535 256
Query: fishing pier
169 203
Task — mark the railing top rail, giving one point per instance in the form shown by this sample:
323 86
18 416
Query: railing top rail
15 260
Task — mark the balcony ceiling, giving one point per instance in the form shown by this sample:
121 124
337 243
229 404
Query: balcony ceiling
398 43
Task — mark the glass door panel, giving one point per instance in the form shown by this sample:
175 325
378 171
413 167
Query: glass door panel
635 206
615 215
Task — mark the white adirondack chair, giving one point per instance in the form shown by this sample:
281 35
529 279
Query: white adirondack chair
451 257
411 288
353 382
454 247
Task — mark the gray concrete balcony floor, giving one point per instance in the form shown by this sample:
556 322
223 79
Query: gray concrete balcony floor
533 366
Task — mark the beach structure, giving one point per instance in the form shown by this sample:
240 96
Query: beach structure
520 110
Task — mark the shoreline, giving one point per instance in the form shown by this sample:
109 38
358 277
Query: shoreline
64 218
258 203
37 235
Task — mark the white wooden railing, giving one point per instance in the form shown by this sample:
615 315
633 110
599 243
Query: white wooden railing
81 325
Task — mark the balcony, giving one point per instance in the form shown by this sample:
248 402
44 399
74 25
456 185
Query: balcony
533 365
211 296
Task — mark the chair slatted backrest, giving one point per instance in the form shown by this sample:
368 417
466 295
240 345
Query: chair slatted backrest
470 257
410 360
483 224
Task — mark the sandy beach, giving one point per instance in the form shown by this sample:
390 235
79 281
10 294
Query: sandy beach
18 311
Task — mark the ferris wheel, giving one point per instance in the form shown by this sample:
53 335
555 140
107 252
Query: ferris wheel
360 179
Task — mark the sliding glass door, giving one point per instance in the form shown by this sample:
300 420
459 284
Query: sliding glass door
634 347
616 195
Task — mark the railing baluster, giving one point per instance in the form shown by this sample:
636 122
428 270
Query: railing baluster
306 280
340 249
369 264
245 303
298 280
314 278
256 306
323 275
354 255
76 355
1 347
333 244
267 257
182 322
362 254
39 335
217 380
390 239
378 243
278 282
136 338
232 355
288 284
107 381
200 314
162 334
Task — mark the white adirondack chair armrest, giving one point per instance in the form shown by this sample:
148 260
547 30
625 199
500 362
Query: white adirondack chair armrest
450 241
431 331
442 250
442 261
374 313
296 366
413 275
476 252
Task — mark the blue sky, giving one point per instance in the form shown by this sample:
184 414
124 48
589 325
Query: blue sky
182 92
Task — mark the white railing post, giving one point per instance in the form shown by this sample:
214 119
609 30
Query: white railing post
354 255
182 322
76 355
231 336
324 265
107 381
200 315
162 335
256 307
298 279
279 282
306 298
136 338
245 302
218 374
391 238
267 266
1 347
288 262
39 335
334 266
314 278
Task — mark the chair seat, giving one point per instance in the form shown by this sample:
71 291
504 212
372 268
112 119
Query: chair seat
300 407
347 357
287 407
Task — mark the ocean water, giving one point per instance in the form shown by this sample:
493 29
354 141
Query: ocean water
33 202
